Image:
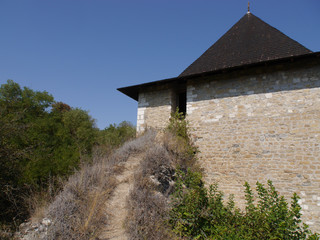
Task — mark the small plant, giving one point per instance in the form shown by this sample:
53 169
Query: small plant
178 141
178 125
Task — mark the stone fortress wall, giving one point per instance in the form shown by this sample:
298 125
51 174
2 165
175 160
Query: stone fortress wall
154 108
252 127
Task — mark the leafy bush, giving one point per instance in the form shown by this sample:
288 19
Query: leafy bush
115 135
199 213
41 141
178 126
19 110
177 140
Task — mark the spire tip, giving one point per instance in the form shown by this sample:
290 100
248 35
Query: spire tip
248 7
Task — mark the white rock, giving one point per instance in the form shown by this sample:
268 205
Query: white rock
46 221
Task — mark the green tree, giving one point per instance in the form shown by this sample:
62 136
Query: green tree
19 109
40 139
115 135
64 139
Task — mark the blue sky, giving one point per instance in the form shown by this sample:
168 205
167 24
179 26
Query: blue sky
81 51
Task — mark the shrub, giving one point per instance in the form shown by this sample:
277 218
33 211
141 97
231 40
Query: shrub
115 135
200 213
40 140
177 140
178 127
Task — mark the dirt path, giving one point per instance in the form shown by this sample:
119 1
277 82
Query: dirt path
116 206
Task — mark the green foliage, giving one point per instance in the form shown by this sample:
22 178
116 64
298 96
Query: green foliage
115 135
20 109
199 213
39 140
60 141
179 127
42 142
186 216
272 216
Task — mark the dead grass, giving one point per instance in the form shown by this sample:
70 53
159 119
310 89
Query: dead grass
39 200
183 152
76 212
5 232
149 200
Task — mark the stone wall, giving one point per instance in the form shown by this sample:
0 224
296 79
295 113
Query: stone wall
258 127
252 125
154 107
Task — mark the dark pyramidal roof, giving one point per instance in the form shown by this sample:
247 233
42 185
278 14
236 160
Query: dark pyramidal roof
250 40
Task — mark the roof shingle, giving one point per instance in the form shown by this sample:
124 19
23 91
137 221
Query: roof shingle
250 40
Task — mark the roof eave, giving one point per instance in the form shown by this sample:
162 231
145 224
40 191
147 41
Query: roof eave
133 91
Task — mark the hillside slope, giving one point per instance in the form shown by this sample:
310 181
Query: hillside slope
116 206
92 204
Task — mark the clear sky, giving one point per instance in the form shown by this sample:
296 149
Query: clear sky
81 51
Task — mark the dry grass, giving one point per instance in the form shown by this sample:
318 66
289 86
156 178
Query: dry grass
76 212
183 152
38 200
149 200
5 232
148 208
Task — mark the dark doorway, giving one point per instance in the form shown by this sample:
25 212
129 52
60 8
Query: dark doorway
182 102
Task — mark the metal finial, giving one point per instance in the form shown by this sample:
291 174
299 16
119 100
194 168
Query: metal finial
248 7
